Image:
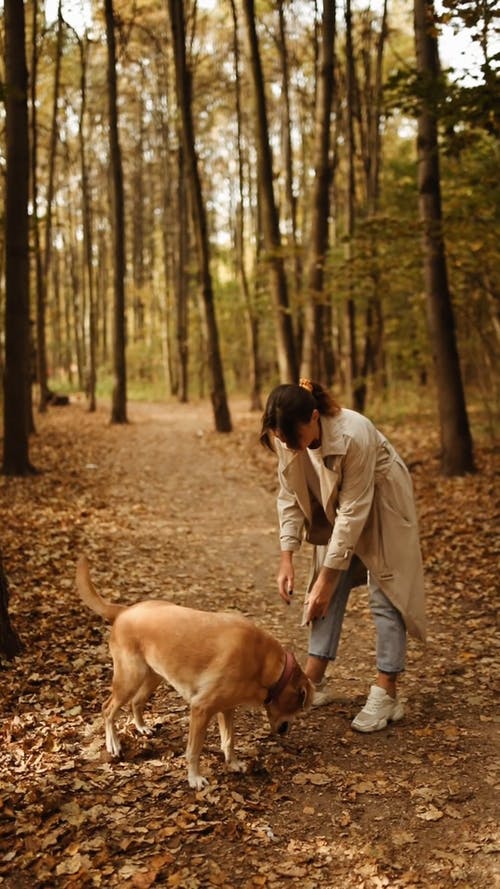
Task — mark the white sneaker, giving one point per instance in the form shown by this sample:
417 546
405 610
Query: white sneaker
379 709
323 694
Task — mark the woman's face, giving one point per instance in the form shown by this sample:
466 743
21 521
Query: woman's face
306 433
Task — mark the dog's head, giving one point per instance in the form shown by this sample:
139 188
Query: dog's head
295 696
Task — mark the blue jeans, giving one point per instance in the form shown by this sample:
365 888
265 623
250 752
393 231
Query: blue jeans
389 626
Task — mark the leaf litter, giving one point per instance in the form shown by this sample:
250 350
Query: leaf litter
164 507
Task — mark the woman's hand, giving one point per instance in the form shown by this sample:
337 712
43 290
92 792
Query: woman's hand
321 594
286 577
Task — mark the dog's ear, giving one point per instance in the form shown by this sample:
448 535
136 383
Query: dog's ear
303 697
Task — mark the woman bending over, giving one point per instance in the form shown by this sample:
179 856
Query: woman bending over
345 488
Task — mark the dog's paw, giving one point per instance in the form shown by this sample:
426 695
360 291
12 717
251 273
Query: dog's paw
197 782
113 745
236 765
144 730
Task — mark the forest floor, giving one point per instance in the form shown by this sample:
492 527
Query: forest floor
165 507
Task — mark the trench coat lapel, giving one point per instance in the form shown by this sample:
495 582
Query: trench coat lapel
295 475
333 448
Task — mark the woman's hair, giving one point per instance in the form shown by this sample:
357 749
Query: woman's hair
290 405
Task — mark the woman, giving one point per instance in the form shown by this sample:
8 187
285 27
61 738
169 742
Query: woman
343 485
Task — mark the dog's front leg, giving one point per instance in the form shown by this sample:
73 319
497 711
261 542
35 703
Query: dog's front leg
198 724
226 729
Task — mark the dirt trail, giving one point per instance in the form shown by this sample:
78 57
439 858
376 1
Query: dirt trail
164 506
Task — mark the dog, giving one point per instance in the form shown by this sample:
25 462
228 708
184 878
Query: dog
216 661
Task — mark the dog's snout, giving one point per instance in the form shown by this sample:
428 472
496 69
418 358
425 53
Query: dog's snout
283 728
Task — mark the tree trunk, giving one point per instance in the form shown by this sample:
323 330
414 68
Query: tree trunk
317 336
119 400
456 441
286 140
183 86
42 289
173 233
10 643
373 359
252 320
73 283
182 331
91 380
138 229
17 381
35 223
355 384
287 359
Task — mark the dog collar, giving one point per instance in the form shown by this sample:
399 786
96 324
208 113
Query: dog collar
276 689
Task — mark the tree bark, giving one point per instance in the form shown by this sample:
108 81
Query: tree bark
373 357
138 230
317 353
251 316
119 399
355 384
17 380
43 284
286 140
35 223
287 358
83 44
181 283
456 441
183 86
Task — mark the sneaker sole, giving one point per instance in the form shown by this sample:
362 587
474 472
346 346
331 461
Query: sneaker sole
383 723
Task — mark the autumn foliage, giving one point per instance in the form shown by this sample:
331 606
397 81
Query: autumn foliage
165 507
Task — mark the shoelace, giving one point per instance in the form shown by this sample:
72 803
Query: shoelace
372 704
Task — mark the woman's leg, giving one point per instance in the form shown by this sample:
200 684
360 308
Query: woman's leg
325 633
383 705
391 638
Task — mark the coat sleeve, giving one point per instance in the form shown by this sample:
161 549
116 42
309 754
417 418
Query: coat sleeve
291 517
355 496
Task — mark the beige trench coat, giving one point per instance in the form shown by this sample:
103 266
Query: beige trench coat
367 508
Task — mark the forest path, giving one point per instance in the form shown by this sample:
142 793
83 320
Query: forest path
163 506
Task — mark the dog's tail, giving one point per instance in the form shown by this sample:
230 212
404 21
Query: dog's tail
90 596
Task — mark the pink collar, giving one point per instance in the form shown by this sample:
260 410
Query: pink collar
276 689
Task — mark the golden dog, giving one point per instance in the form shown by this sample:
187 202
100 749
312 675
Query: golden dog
216 661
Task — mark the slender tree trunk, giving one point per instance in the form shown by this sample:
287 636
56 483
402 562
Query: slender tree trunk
373 358
456 441
42 291
102 290
374 140
73 276
57 359
252 321
287 148
17 351
35 223
119 400
287 358
354 383
138 233
87 229
170 238
183 84
181 282
317 335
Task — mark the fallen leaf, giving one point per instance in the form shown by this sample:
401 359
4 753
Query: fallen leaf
429 813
